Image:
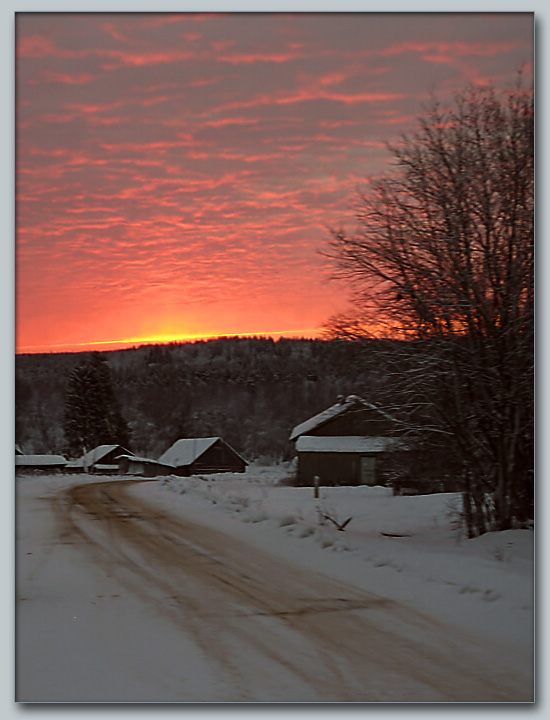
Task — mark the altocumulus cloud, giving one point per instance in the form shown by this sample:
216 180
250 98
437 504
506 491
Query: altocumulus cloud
177 172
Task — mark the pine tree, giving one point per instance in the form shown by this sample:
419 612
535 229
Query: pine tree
92 413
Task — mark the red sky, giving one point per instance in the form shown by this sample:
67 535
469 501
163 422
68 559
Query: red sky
176 173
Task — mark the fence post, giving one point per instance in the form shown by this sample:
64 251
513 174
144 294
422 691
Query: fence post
316 486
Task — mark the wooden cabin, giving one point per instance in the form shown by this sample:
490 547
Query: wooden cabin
345 444
35 464
193 456
102 460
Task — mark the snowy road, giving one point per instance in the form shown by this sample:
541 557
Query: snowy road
238 624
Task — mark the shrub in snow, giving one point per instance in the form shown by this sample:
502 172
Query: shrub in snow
254 516
329 516
290 480
287 520
240 501
469 589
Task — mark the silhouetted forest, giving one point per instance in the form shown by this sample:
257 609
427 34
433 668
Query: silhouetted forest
250 391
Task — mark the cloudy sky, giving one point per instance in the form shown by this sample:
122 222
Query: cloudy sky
176 173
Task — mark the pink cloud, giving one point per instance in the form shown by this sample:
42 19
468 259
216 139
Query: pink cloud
68 79
439 49
231 121
346 98
332 78
202 82
92 108
35 46
220 45
305 95
113 30
264 57
339 123
140 59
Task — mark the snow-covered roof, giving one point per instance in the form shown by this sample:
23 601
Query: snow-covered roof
345 444
137 458
342 406
24 460
95 455
187 450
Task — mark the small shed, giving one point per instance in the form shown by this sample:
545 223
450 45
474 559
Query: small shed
144 467
190 456
39 463
102 459
345 444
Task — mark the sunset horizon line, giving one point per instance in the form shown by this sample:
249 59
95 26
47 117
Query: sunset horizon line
90 346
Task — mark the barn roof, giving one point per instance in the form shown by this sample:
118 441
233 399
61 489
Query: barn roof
345 444
342 406
187 450
98 453
42 460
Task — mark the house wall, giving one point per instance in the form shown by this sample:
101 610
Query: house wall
128 466
100 469
125 467
183 471
38 469
132 467
151 470
218 458
332 468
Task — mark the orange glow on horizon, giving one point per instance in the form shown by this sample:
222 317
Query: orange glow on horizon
155 340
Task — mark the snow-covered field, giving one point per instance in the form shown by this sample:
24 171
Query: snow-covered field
408 549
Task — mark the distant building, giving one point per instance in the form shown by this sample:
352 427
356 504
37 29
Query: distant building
345 444
39 463
102 459
144 467
191 456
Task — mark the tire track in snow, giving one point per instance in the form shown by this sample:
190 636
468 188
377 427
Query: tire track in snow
277 631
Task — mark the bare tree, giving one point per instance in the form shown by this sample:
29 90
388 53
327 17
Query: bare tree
442 261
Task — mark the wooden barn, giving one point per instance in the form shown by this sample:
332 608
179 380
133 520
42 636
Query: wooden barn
191 456
34 464
102 459
345 444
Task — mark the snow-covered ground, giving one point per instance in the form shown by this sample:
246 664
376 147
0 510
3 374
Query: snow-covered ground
406 548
